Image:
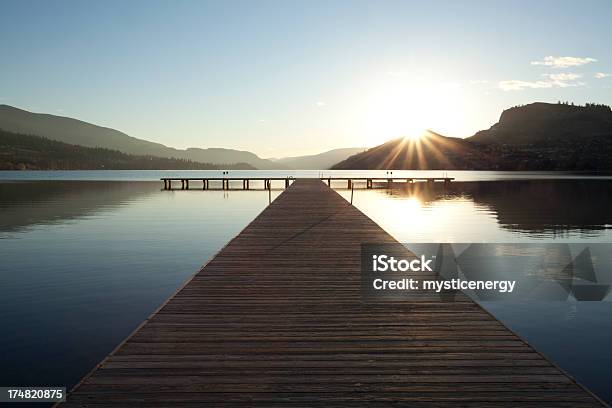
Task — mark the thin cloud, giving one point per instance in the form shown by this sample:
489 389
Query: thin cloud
517 85
563 77
563 62
561 80
602 75
564 80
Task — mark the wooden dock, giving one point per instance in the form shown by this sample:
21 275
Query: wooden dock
276 319
223 183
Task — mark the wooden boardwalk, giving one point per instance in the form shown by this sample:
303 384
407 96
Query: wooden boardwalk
276 319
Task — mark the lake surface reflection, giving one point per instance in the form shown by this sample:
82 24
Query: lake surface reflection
574 335
493 211
84 262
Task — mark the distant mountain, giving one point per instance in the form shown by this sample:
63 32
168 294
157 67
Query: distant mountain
546 123
538 136
217 155
321 161
76 132
26 152
430 152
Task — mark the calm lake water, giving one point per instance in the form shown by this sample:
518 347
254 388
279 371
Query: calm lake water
86 256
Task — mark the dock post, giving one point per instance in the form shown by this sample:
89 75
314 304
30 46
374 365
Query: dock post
369 183
247 184
187 184
349 184
286 183
206 184
329 182
182 184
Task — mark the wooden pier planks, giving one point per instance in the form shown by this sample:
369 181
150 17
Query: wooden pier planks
276 319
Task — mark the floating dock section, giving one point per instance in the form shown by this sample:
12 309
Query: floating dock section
265 183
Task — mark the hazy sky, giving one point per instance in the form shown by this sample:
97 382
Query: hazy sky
296 77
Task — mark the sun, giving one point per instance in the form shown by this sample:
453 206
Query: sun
415 136
394 114
395 108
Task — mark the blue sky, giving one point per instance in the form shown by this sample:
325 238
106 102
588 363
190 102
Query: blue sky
297 77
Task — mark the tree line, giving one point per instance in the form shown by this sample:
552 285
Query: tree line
29 152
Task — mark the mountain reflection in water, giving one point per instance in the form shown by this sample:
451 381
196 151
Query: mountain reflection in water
492 211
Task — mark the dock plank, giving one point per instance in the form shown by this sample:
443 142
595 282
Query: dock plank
276 319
